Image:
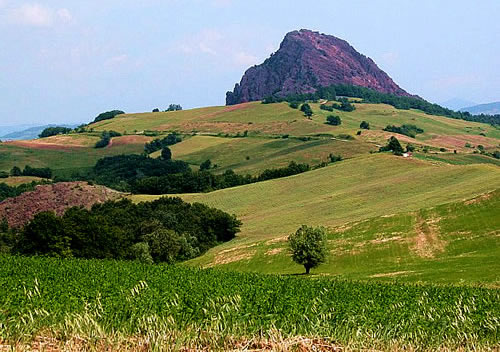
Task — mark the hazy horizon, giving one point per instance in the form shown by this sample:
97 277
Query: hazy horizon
66 62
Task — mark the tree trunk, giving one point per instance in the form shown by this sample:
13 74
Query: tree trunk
308 269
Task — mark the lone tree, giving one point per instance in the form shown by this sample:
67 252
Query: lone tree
306 109
308 246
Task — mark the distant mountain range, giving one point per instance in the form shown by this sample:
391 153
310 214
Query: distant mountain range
306 60
487 109
456 104
27 133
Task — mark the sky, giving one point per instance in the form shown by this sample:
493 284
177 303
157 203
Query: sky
67 61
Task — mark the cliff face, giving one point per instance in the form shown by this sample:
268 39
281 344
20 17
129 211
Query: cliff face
306 60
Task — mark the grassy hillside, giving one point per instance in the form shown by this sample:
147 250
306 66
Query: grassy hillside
353 190
65 154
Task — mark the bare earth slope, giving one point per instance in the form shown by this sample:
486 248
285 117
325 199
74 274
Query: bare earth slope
56 197
308 59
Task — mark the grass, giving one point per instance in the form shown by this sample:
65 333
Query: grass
459 159
451 243
63 160
168 308
254 154
345 192
20 180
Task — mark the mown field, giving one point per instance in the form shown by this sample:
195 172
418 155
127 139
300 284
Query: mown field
347 192
118 305
65 156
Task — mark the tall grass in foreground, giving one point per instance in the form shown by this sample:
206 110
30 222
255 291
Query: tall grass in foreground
159 307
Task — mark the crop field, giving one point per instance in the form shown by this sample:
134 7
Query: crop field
254 154
61 158
110 304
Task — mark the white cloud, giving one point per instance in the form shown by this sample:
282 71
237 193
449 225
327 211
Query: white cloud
244 59
39 16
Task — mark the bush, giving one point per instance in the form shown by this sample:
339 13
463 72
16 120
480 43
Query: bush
333 120
206 165
166 153
326 107
156 110
159 144
306 109
174 107
16 171
364 125
44 172
308 247
294 105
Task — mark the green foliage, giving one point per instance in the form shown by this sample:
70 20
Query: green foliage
121 171
45 235
159 144
43 172
394 146
326 107
53 131
308 247
108 115
335 158
407 130
294 105
204 181
333 120
306 109
364 125
106 138
156 110
410 148
42 295
206 165
166 153
16 171
174 107
7 191
171 229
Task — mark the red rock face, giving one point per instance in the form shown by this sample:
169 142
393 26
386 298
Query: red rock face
306 60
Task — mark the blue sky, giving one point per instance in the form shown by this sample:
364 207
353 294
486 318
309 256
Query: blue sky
66 61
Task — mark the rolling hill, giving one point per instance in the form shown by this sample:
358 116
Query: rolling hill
487 109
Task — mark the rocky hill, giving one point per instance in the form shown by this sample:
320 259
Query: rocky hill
306 60
55 197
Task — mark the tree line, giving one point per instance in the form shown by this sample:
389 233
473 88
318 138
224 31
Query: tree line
166 230
374 97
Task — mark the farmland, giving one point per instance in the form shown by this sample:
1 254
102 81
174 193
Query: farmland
106 303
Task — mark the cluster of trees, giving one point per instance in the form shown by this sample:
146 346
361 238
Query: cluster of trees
121 171
407 130
42 172
108 115
159 144
306 109
106 138
171 107
167 230
205 181
372 96
393 146
54 131
333 120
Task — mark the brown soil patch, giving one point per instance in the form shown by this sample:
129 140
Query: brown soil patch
479 199
459 141
277 240
385 240
55 197
44 146
427 242
231 257
274 251
133 139
396 273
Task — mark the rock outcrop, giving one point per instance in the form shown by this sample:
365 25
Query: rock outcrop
306 60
